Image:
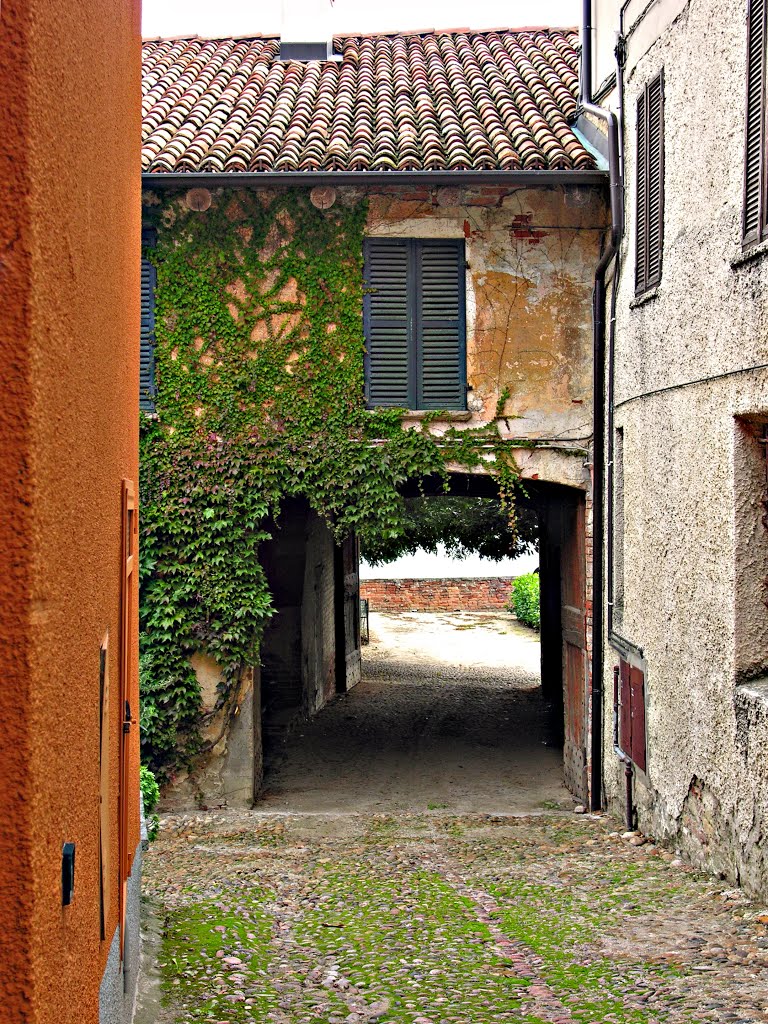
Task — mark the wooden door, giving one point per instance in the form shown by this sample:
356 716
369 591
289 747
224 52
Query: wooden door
128 797
573 620
348 661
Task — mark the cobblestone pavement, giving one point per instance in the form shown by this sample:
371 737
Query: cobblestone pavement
435 917
367 885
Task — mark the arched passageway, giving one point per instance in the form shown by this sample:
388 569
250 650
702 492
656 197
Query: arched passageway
472 714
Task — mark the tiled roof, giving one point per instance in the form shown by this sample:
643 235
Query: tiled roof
435 101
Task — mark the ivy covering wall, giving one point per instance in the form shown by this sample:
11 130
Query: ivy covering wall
259 371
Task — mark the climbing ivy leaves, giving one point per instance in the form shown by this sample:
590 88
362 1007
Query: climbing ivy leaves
259 370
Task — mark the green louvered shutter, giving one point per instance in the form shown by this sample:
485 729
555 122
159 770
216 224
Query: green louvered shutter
388 315
641 201
440 325
415 323
754 212
655 101
147 359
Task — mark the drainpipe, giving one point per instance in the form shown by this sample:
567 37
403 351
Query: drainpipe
598 394
620 61
624 758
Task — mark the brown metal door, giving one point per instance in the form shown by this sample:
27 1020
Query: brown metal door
574 648
348 663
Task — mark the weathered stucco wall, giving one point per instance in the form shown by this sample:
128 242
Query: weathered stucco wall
69 328
693 545
531 255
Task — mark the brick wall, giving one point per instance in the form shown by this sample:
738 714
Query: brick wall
468 595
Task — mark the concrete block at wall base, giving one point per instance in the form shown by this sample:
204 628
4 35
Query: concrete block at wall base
117 993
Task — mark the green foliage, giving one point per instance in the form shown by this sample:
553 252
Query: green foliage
259 369
150 792
524 601
463 526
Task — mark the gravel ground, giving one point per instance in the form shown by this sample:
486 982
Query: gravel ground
413 904
448 715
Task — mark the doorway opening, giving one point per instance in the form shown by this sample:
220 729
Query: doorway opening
452 697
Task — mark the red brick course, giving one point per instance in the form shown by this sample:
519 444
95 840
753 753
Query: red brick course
446 595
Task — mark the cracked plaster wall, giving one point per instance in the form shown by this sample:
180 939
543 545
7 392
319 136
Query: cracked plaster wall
531 255
695 553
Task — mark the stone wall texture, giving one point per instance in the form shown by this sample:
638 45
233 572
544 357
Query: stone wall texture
454 595
691 395
69 340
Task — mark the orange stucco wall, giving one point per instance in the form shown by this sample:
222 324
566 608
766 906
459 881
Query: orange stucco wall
69 301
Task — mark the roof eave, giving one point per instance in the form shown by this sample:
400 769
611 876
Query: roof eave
248 179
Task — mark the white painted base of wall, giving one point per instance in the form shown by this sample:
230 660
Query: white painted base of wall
117 994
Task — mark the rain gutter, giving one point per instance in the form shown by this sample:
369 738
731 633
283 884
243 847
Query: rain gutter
255 179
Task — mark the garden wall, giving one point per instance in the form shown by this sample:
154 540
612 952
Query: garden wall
457 595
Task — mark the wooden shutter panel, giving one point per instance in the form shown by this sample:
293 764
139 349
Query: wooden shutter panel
625 709
387 323
440 325
637 705
655 108
147 358
650 185
754 163
632 713
641 234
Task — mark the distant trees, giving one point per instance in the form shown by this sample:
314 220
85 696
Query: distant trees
463 525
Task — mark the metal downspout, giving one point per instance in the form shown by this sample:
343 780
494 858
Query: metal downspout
623 757
598 395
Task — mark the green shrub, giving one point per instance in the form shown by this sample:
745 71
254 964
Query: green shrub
151 794
524 601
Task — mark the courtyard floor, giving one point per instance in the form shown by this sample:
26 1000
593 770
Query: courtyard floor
425 902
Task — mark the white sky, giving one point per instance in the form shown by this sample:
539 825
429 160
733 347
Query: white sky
263 17
425 565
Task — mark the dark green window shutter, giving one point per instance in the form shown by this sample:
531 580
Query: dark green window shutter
415 323
440 325
387 322
655 104
754 209
650 185
147 359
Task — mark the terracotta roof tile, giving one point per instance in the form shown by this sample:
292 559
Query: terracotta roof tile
432 101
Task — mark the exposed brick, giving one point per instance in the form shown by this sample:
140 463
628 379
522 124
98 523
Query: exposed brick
486 594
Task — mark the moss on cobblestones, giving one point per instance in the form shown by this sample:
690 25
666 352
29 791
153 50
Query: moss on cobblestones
428 919
199 940
545 921
409 940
